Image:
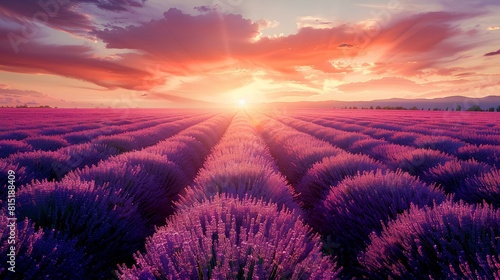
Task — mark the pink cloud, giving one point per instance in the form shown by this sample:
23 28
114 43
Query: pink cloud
420 42
62 14
183 37
77 62
386 83
196 45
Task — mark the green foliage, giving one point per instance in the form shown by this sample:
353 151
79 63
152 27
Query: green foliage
475 108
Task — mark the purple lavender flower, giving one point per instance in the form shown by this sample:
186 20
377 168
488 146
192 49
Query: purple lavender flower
329 172
239 179
228 238
403 137
416 161
8 147
107 227
150 180
485 187
489 154
439 142
363 204
39 255
447 241
451 175
46 143
38 165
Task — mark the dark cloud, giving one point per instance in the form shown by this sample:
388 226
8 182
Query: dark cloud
492 53
204 9
61 14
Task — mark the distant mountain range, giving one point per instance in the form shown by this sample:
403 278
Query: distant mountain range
450 102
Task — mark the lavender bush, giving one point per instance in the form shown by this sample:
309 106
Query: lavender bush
295 152
106 226
8 147
329 172
489 154
403 138
38 165
447 241
363 204
416 161
482 188
227 238
15 135
439 142
239 179
451 175
122 143
150 180
39 255
46 143
364 146
185 151
240 164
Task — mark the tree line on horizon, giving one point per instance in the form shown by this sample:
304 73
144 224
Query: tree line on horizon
473 108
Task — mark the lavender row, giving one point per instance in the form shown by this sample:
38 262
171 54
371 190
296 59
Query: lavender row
433 167
110 208
39 254
53 165
28 120
447 241
449 124
23 123
346 196
54 126
55 142
232 238
234 222
435 140
240 165
157 173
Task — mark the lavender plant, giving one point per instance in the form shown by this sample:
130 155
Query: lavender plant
329 172
482 188
452 175
447 241
151 181
489 154
40 165
8 147
239 178
231 238
46 143
363 204
106 226
39 255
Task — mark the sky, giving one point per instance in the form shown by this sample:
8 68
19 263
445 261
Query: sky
153 53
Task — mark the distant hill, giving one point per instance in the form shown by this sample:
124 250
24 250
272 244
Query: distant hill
450 102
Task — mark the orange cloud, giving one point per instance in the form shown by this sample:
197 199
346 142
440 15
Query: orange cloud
180 44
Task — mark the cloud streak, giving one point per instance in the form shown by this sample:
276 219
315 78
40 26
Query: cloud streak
492 53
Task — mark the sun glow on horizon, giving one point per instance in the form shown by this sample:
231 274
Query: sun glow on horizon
242 102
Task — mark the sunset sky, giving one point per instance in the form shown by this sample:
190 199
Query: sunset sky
153 53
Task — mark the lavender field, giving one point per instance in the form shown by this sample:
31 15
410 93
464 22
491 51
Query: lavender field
249 194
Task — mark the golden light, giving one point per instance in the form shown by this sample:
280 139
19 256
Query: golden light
242 102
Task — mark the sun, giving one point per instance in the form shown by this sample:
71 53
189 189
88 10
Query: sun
242 102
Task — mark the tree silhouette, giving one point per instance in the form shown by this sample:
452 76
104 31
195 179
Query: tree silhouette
475 108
